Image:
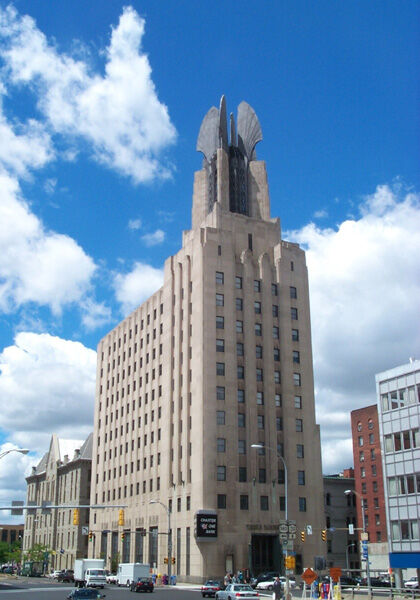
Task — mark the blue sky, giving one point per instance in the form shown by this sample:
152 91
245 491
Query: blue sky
100 108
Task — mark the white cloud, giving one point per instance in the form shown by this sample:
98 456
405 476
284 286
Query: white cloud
118 113
37 265
153 239
49 384
50 185
23 146
133 288
94 314
321 214
134 224
364 287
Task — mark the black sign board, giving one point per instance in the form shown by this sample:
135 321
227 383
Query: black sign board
206 525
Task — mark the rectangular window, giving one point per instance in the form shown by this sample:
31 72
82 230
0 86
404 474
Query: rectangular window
260 421
220 417
360 440
240 396
220 322
239 349
300 451
275 332
277 399
282 503
294 313
293 292
221 473
275 310
276 354
299 425
220 300
238 283
241 419
220 392
373 470
298 401
295 335
279 424
257 308
258 352
302 504
296 379
241 446
296 356
220 368
242 474
239 304
220 278
258 329
243 502
260 398
221 500
301 477
371 438
257 285
362 472
277 378
262 476
280 476
241 372
263 502
221 445
220 345
239 326
274 289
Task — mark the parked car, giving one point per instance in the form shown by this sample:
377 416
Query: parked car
210 588
412 583
237 590
66 576
9 570
376 582
143 584
55 574
112 578
85 594
347 581
269 584
267 576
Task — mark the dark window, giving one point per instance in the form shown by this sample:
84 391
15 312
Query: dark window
293 292
260 421
220 345
275 332
238 283
241 372
241 419
221 473
302 504
250 241
296 379
241 447
241 396
263 502
274 289
220 300
258 352
239 304
301 477
220 278
298 401
239 326
279 423
221 500
242 474
262 476
295 335
220 368
294 313
239 349
299 451
280 476
220 392
243 502
260 398
258 329
257 285
220 417
299 425
221 445
220 322
277 399
275 310
260 374
276 354
296 356
257 308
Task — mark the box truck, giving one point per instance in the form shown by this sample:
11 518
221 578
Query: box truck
89 572
129 572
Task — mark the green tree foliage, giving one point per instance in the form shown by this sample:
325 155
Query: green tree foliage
115 560
37 553
4 550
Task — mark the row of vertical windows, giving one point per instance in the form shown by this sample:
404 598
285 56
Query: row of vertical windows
221 446
264 503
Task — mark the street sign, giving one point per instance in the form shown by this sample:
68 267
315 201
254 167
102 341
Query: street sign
351 529
292 528
283 536
335 573
85 530
292 536
309 576
283 528
309 529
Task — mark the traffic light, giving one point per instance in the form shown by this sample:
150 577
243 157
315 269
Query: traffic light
90 536
324 535
76 516
302 536
173 560
165 560
289 562
122 536
121 517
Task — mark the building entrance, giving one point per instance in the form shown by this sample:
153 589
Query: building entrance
265 554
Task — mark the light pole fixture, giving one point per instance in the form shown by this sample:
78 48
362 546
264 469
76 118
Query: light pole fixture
20 450
352 545
286 514
347 493
168 512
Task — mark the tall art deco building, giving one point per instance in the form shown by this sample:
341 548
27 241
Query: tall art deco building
215 361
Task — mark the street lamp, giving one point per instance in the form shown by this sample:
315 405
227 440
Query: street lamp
20 450
347 493
168 512
286 515
352 545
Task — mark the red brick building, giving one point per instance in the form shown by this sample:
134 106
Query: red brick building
368 472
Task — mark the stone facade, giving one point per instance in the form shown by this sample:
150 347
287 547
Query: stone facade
218 359
62 477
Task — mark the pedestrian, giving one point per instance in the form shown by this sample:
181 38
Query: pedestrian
240 577
277 589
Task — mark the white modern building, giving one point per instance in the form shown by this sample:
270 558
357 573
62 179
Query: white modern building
398 394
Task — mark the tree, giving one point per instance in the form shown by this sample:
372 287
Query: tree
15 552
115 560
4 549
37 553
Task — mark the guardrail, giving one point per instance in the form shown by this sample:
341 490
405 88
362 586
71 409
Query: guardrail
348 592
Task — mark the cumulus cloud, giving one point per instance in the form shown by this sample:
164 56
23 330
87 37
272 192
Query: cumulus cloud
364 288
153 239
118 113
37 265
134 224
133 288
49 384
